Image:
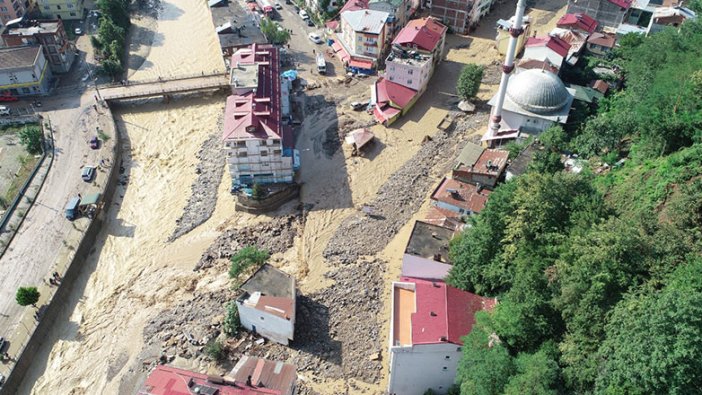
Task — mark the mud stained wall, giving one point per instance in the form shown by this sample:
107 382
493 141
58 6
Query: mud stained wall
54 305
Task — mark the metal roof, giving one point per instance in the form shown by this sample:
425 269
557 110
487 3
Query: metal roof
366 21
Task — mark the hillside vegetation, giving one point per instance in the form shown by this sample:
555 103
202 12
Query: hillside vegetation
599 277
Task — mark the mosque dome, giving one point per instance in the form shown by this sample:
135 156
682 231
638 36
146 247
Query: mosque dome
538 91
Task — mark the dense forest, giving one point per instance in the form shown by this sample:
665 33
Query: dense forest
598 276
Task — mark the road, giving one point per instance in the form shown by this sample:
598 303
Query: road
29 259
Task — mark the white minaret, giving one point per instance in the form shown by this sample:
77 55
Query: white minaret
515 31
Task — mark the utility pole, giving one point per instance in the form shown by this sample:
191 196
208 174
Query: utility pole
516 30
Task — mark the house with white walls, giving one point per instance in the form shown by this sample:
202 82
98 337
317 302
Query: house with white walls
267 304
258 143
24 71
429 318
363 38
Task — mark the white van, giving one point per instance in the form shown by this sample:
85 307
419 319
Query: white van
4 110
303 15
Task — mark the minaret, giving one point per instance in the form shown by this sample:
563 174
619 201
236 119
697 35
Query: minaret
515 31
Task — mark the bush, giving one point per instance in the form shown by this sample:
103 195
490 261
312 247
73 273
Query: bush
274 34
258 192
27 296
31 138
469 81
245 258
215 350
231 320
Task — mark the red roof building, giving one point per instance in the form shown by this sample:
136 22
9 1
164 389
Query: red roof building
391 100
578 21
460 197
425 34
259 145
550 48
274 375
487 170
429 319
167 380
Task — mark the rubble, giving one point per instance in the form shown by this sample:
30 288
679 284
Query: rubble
203 199
273 236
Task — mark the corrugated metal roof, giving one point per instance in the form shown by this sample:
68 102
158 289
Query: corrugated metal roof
366 21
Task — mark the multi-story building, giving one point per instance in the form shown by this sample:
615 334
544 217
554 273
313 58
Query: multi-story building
428 320
461 16
399 11
416 50
11 10
551 48
259 145
24 71
61 9
363 38
50 34
608 13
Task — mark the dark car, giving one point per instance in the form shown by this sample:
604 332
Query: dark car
94 143
297 9
310 23
3 343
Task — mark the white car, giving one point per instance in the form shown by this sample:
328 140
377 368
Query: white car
315 38
4 110
78 31
303 15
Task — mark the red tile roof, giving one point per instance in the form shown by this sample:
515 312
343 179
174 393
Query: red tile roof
461 194
555 44
167 380
528 64
625 4
390 92
491 162
256 115
602 39
580 21
354 5
443 313
425 33
600 86
275 375
445 218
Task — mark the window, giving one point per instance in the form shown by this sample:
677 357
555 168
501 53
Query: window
264 142
4 9
409 82
242 154
276 152
444 368
410 72
58 7
243 167
241 143
448 357
459 349
276 141
264 153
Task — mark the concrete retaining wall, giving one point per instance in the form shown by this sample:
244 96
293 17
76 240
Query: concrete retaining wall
69 271
270 203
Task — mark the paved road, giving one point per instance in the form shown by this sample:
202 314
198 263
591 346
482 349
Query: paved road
29 259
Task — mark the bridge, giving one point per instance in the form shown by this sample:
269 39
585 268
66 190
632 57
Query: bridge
163 87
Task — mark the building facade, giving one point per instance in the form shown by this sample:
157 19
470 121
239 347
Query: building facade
50 34
61 9
608 13
12 9
398 11
24 71
364 35
267 305
460 16
428 320
259 145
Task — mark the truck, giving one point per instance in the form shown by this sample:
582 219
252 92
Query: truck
321 63
266 8
71 210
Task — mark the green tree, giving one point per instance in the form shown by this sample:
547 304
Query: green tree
231 320
215 350
469 81
485 366
653 339
259 192
27 296
245 258
32 138
536 374
274 33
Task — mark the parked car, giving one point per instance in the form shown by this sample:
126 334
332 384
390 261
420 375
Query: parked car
78 31
4 110
94 142
303 15
71 210
315 38
6 97
87 173
3 343
2 379
309 22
